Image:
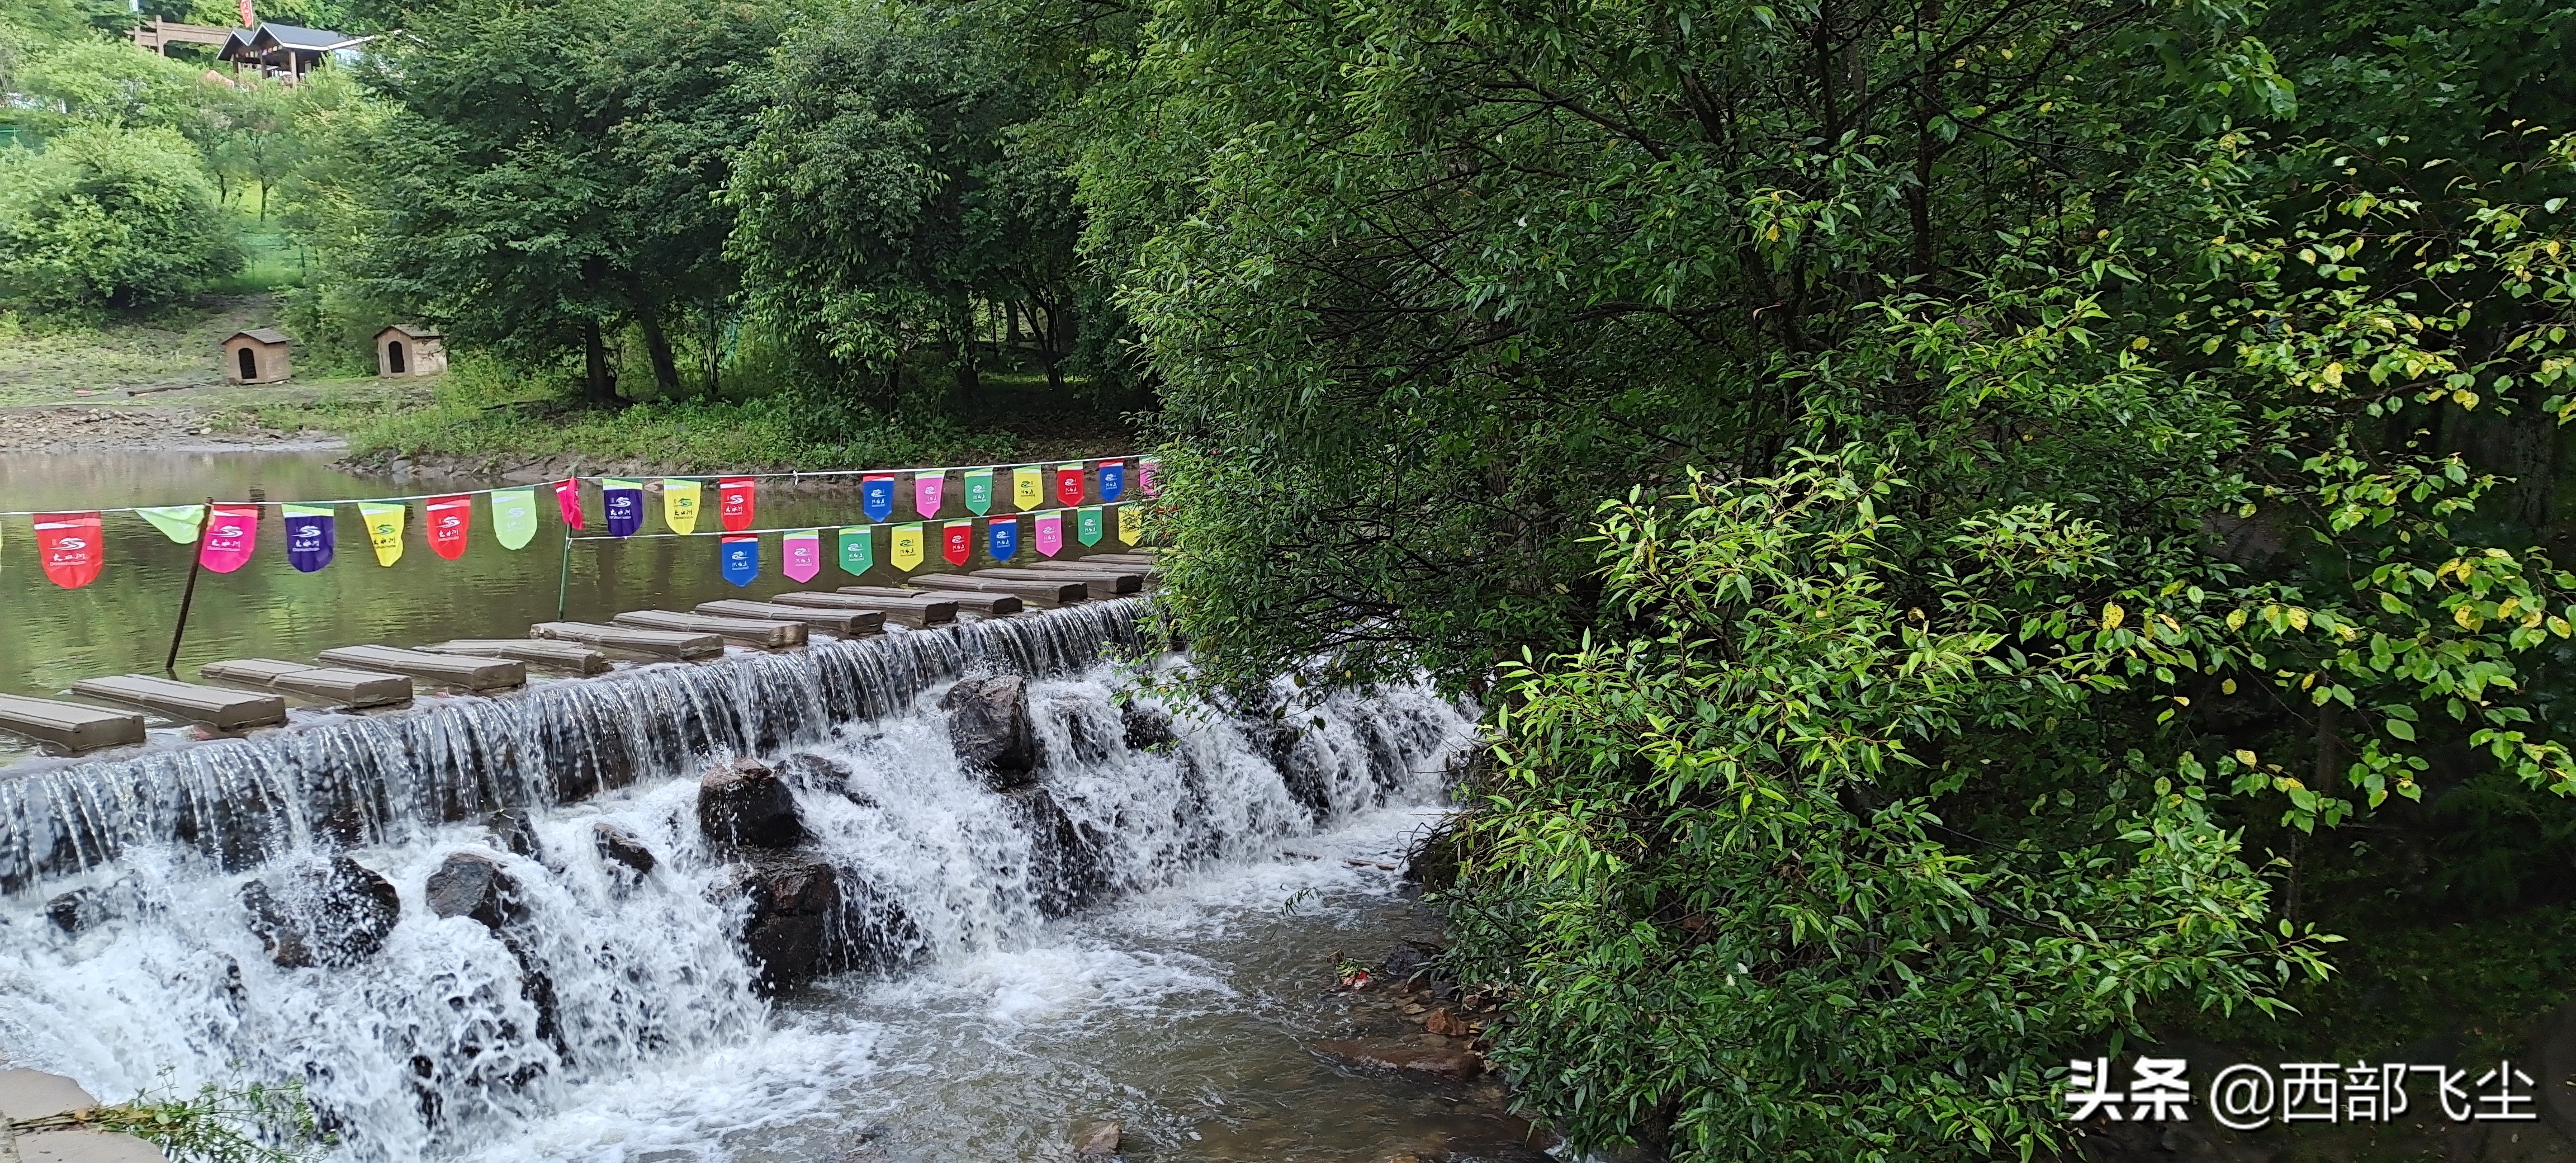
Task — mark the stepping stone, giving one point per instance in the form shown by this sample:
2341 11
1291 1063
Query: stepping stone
572 656
989 605
904 609
1044 595
846 623
224 710
72 725
665 643
473 672
356 688
749 632
1104 583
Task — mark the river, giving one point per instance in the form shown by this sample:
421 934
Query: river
1185 1006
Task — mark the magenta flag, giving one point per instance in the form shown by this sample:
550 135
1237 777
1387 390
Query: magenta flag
925 492
231 534
1050 533
568 499
804 554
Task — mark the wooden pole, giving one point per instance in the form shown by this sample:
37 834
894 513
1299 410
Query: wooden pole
563 579
188 597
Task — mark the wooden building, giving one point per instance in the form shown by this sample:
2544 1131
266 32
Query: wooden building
407 350
256 357
284 51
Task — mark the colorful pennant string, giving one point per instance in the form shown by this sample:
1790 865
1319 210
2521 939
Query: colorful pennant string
1068 485
1028 489
925 492
1087 525
876 498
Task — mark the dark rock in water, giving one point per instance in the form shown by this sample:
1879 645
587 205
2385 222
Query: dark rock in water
471 885
794 918
1100 1141
1306 780
1068 860
988 723
1088 738
1439 1063
515 833
1409 961
78 911
806 771
619 846
744 802
1147 727
335 914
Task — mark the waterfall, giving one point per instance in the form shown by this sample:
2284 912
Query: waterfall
458 1029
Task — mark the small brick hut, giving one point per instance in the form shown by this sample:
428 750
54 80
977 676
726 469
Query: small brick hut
406 350
256 357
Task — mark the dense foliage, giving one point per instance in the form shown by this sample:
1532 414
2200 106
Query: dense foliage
108 218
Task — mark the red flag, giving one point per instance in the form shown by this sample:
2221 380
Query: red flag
69 546
449 518
1068 484
733 503
957 542
568 499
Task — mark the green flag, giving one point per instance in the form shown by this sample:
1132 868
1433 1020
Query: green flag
979 491
179 523
858 549
514 517
1088 527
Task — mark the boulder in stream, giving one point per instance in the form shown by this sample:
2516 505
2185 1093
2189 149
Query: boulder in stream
1098 1141
1147 727
1435 1061
988 724
1068 859
333 914
793 918
470 884
743 802
619 846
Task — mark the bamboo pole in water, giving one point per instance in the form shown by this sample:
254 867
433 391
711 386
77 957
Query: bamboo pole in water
188 597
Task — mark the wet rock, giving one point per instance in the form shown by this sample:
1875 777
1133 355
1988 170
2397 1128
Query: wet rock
619 846
988 724
806 771
514 832
1409 961
1307 781
473 885
1447 1024
76 912
1436 1062
793 919
1147 727
333 914
1100 1141
743 802
1087 738
1068 865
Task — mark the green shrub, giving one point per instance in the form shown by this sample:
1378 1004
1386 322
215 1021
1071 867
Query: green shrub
113 218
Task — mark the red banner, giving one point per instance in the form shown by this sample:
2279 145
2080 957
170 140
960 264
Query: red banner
449 518
1068 484
69 546
957 542
568 499
733 503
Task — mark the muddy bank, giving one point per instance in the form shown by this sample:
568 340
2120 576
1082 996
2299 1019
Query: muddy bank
57 428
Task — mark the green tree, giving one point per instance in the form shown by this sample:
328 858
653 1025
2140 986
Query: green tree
109 218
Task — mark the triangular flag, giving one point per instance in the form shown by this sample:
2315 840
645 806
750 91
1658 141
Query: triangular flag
69 547
384 530
733 503
907 547
680 504
568 501
1145 472
801 555
447 520
979 491
1113 480
1131 525
514 517
876 497
858 549
1087 525
957 542
180 523
1028 488
1050 533
925 492
1068 484
624 501
741 558
1002 535
231 535
311 538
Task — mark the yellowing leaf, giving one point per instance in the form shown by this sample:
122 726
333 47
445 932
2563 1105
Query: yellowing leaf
2236 619
2229 687
2467 617
2247 758
2112 616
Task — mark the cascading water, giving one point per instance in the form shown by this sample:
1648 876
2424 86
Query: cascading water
128 959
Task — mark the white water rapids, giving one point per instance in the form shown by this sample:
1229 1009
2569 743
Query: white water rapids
1159 1009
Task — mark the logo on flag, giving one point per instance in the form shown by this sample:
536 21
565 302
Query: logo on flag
858 550
1003 536
625 503
876 497
70 548
741 559
957 542
801 555
448 519
734 503
1068 484
310 538
1113 480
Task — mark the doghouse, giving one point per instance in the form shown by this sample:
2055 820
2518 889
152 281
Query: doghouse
405 350
256 357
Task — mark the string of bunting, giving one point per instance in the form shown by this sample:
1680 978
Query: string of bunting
1091 494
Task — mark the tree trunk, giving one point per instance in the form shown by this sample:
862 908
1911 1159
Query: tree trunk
657 346
970 380
599 384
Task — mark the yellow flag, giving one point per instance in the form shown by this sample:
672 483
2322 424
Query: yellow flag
680 504
384 530
907 547
1130 526
1028 488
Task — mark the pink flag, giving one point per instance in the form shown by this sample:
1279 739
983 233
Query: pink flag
231 534
925 492
1050 533
804 555
568 498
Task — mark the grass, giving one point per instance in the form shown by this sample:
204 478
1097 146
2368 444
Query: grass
53 360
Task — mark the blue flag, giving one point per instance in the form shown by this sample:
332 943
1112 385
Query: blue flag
741 559
876 497
625 502
1113 479
1004 533
309 538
